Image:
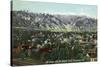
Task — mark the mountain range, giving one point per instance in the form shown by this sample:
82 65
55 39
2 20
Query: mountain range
58 23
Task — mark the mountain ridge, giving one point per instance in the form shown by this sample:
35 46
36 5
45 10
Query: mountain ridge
42 21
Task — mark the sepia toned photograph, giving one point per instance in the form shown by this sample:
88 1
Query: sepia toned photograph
52 33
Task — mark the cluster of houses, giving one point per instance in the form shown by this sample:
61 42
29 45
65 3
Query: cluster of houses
44 42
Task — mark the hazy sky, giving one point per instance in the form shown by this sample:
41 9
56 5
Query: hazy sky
55 8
